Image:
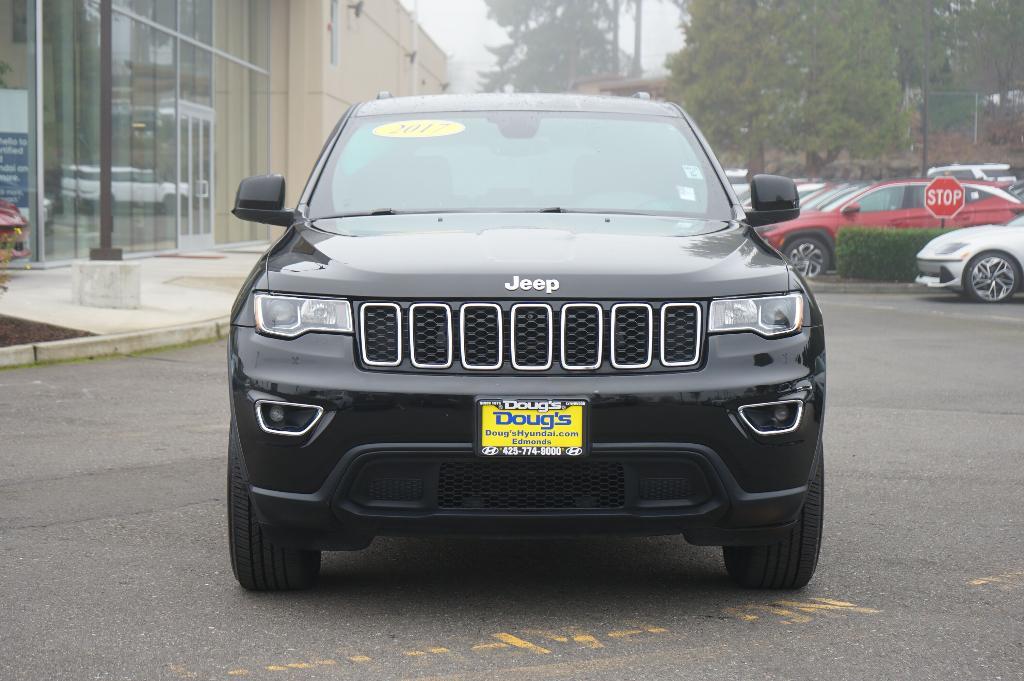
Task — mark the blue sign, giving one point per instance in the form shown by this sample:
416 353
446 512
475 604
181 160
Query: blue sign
14 168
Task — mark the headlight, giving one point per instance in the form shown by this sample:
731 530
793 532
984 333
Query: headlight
950 248
288 317
771 316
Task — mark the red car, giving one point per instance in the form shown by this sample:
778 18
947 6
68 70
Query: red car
809 241
14 230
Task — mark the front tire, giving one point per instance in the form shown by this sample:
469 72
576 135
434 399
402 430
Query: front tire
790 563
991 277
258 564
809 255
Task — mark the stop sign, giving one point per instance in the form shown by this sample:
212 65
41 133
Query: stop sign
944 197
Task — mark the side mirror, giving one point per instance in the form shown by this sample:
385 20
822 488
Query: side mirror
260 198
851 209
772 199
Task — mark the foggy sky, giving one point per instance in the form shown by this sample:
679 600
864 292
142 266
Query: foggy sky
463 31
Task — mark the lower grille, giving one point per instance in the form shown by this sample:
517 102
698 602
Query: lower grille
531 484
664 489
395 489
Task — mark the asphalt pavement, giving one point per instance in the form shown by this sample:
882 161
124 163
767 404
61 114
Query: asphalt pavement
113 559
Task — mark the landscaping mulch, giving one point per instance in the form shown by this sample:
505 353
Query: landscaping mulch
15 331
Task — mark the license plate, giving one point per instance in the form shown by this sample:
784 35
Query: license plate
531 427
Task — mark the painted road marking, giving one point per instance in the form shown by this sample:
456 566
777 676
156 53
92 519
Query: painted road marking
500 641
517 642
796 612
1006 581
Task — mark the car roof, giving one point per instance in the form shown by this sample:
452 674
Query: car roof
427 104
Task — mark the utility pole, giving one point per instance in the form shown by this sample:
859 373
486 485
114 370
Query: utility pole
615 37
638 32
925 86
106 251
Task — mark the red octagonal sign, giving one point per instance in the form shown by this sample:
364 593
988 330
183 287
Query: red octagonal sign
944 197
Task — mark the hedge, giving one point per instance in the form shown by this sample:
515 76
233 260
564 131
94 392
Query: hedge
881 253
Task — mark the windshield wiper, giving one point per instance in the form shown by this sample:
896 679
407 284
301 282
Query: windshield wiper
361 214
553 209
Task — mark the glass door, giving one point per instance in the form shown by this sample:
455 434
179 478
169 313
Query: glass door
195 177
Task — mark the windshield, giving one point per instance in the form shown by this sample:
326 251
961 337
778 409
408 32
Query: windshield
519 161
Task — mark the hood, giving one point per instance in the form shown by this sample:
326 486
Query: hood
1000 236
640 260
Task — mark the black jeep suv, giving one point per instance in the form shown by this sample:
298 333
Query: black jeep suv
522 315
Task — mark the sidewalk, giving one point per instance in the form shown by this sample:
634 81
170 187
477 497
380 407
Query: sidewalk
178 289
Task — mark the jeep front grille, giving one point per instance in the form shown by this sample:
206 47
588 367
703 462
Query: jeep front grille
527 336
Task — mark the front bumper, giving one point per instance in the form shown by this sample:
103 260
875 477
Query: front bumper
390 448
936 273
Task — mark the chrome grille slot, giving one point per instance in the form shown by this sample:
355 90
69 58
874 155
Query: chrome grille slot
533 337
430 335
680 334
511 337
582 336
480 338
632 335
381 334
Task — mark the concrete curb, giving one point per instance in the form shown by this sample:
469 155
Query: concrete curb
113 344
866 287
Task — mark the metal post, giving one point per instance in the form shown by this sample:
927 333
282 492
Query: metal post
106 251
638 31
975 117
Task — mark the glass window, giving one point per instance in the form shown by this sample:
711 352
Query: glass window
241 29
886 198
520 161
17 124
161 11
144 144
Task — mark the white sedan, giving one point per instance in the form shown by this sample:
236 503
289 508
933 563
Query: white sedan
982 263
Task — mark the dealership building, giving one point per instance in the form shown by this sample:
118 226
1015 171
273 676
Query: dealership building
205 92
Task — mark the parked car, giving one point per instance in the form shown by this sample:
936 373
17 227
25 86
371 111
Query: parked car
809 241
522 315
981 263
738 178
991 172
130 186
14 230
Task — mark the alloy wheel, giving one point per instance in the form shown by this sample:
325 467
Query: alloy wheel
993 278
808 258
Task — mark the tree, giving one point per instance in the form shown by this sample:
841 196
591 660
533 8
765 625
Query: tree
553 43
811 76
729 75
993 36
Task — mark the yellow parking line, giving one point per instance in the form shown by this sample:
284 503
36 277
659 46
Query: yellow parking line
588 641
359 658
238 672
625 633
517 642
489 646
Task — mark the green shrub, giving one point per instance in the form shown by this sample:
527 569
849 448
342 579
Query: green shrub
881 253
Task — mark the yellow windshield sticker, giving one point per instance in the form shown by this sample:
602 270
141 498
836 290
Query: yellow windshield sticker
422 128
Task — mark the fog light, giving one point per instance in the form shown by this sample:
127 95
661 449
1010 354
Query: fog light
773 418
287 418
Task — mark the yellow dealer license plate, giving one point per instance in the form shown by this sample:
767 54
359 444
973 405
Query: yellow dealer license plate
531 427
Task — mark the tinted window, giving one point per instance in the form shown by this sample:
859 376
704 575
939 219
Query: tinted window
519 161
886 198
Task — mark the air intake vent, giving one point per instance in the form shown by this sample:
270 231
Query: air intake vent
680 334
582 335
481 345
430 337
381 333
